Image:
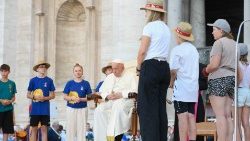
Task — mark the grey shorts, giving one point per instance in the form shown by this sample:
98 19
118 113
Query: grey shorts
243 97
223 86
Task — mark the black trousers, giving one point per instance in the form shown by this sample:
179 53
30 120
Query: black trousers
153 84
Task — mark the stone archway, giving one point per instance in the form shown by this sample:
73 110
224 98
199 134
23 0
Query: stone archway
70 40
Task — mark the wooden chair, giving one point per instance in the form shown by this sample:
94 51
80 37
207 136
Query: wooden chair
134 119
207 128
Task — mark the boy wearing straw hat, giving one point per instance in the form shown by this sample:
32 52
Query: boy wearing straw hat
7 97
105 70
184 66
40 90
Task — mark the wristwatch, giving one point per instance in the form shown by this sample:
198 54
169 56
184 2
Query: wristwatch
138 69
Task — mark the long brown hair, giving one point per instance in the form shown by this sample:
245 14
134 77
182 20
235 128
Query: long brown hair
244 60
228 35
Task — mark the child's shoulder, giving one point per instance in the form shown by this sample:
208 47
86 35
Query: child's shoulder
85 82
33 78
11 81
48 78
70 81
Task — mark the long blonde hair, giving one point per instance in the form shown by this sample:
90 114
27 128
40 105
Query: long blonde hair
154 16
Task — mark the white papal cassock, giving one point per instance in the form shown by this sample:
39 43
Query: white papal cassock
113 118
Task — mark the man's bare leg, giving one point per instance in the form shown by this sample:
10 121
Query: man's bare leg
33 136
44 131
5 137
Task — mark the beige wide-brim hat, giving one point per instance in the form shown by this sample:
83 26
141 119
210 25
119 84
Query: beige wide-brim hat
184 31
106 67
47 65
154 5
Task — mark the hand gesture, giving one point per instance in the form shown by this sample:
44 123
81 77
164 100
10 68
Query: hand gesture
114 96
110 97
39 98
118 95
204 72
5 102
77 99
138 69
171 85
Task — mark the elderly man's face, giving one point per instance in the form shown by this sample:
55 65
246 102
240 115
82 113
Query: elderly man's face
117 69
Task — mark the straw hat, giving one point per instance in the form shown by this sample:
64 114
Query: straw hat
106 67
154 5
47 65
184 31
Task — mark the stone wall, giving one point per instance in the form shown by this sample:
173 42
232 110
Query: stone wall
10 38
23 58
2 8
71 46
120 25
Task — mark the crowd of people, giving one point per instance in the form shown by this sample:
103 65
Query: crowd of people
115 94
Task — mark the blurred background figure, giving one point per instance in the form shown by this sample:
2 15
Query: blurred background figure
53 132
106 70
62 133
243 104
89 133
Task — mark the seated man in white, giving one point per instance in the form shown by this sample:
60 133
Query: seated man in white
112 117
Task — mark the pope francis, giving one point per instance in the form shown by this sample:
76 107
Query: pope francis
112 117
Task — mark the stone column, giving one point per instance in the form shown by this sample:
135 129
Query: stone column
91 47
185 10
247 25
118 36
23 59
51 37
39 31
174 17
197 19
127 31
10 37
2 12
